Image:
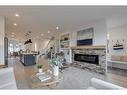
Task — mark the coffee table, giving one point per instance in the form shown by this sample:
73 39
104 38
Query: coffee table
35 82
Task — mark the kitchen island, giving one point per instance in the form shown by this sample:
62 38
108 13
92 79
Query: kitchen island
28 59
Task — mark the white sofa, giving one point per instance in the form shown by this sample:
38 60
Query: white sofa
7 79
100 84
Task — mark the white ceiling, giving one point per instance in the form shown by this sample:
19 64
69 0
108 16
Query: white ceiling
40 19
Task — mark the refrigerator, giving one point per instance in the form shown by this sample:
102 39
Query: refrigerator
6 50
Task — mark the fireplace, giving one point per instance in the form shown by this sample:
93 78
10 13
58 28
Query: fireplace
92 59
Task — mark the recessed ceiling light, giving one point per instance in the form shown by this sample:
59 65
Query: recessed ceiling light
57 27
17 15
48 31
37 37
13 33
15 24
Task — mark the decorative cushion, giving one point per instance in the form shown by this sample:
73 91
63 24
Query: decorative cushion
101 84
115 58
124 58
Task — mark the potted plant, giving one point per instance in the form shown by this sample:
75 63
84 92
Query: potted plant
40 68
55 66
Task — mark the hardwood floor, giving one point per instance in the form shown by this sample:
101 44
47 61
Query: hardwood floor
117 76
74 78
117 71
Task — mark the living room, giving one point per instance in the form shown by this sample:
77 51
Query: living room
63 47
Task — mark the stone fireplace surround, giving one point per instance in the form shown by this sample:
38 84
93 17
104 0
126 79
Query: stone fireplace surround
90 50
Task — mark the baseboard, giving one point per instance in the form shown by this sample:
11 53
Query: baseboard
3 66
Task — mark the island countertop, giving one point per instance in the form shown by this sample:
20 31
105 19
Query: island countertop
29 53
28 59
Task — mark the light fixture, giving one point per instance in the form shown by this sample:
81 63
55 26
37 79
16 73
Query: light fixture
57 28
28 41
12 33
10 45
12 36
107 36
48 31
15 24
17 15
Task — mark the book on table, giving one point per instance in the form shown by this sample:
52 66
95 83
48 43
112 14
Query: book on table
39 74
44 77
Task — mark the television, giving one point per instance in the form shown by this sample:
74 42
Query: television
84 42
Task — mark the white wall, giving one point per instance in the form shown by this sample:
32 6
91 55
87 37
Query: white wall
118 33
117 30
100 33
38 44
2 31
42 44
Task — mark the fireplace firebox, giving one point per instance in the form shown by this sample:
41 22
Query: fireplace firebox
92 59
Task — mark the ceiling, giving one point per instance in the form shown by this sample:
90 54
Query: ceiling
41 19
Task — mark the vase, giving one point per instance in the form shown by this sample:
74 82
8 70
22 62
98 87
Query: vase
55 70
40 70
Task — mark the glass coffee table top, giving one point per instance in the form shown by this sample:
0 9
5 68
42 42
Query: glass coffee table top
35 82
